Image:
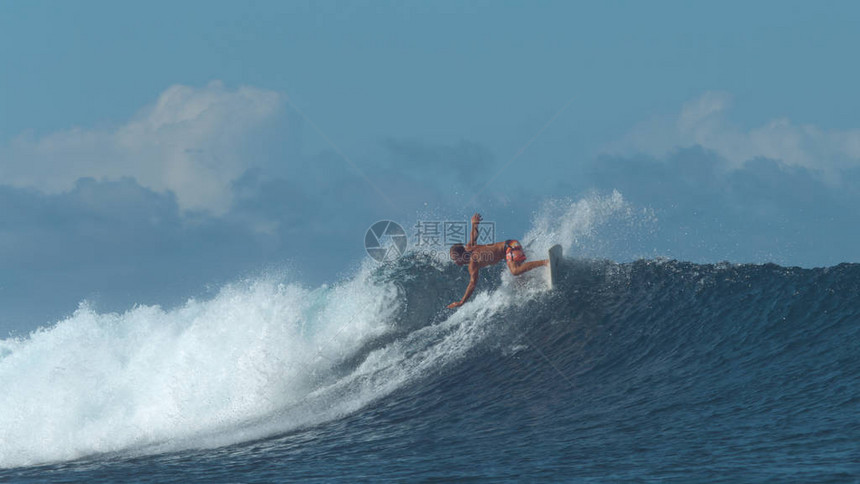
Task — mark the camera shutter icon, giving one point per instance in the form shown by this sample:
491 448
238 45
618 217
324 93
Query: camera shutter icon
385 241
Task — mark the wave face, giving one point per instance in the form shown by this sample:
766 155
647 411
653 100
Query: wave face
647 370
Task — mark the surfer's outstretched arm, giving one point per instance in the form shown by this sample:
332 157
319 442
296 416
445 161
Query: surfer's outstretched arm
476 219
473 281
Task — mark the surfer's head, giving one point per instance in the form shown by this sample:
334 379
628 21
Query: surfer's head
459 254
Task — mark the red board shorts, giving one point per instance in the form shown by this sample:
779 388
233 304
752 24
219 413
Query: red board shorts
514 251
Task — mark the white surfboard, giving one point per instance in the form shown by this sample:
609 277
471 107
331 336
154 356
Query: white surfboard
554 271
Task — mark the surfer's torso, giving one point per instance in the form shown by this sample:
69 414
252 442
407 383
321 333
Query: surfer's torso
486 255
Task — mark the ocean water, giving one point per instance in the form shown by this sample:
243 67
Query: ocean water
654 370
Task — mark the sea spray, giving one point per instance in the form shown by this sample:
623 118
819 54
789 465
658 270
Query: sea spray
597 225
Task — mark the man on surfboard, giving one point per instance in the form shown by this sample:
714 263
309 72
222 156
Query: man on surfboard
478 256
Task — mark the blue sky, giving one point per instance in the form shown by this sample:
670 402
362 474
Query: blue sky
150 152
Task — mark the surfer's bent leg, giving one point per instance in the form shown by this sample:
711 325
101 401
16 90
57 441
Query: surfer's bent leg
521 267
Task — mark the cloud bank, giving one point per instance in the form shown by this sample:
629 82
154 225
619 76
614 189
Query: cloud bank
189 142
781 192
703 122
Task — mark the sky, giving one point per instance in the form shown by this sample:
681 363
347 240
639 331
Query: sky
151 152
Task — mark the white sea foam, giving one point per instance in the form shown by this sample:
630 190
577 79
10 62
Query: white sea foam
106 382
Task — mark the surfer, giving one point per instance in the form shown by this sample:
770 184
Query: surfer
478 256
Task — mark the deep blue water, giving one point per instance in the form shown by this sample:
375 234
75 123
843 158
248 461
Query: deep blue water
646 371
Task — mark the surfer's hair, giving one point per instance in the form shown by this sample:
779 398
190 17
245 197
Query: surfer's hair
457 252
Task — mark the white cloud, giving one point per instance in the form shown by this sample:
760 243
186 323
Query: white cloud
189 142
703 122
